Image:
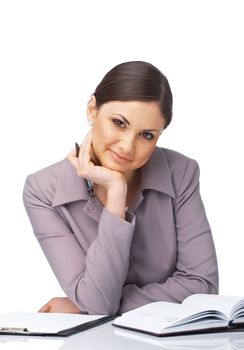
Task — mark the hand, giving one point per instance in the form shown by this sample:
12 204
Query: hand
86 167
112 181
62 305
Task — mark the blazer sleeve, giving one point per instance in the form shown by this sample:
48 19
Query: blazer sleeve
196 268
93 280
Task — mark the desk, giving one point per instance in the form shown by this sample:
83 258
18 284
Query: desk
107 337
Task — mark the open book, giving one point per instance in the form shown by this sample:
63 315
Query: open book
198 313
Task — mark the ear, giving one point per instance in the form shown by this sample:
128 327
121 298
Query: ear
91 109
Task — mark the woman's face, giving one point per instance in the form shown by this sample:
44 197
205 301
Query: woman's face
125 133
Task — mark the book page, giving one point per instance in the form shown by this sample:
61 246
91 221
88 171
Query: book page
44 322
159 316
224 304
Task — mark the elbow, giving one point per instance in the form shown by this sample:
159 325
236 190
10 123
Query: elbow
96 308
96 304
209 288
91 299
212 281
206 281
214 287
198 284
103 307
204 285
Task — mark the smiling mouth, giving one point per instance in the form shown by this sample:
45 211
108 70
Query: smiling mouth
118 157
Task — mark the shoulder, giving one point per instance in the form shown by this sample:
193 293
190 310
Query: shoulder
44 181
183 169
176 160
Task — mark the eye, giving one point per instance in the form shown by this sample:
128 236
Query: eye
119 123
147 135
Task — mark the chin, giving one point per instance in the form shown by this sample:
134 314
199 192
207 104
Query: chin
114 166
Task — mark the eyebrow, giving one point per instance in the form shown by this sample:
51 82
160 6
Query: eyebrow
127 122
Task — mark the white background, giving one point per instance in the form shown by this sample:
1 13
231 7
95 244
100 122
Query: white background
54 53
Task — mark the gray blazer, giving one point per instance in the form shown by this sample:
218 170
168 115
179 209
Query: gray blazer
163 250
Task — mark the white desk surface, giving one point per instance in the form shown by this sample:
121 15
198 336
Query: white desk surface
106 337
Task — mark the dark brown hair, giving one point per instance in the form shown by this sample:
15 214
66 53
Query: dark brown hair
136 81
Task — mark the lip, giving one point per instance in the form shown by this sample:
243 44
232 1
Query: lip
119 157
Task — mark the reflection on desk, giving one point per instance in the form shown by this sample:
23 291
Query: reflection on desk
213 341
106 337
29 343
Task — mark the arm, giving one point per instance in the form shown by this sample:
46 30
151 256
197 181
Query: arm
92 280
196 268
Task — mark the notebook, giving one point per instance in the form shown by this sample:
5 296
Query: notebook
48 324
198 313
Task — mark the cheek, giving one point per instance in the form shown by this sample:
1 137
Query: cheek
101 137
104 134
143 154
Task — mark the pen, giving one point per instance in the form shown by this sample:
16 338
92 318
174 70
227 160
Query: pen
77 149
89 183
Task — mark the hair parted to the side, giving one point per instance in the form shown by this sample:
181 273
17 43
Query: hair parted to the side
136 81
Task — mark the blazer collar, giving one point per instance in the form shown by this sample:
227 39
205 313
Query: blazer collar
70 187
155 175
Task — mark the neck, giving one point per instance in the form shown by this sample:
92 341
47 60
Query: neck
132 178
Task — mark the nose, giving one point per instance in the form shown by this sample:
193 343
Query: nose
127 144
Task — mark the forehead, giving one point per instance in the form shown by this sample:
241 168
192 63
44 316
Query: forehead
135 111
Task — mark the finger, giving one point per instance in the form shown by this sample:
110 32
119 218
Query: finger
85 150
82 162
73 159
94 158
85 140
72 154
45 308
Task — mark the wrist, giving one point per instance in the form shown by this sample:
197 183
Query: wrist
118 185
117 182
116 199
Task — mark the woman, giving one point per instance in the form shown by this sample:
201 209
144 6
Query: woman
140 234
